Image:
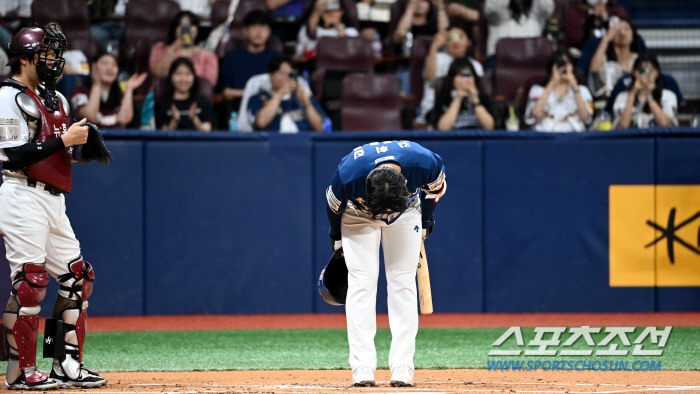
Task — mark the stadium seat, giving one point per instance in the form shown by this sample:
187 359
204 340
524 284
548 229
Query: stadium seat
160 88
371 102
517 60
74 18
337 57
146 23
419 52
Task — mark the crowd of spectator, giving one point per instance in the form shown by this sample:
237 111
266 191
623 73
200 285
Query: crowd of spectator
599 67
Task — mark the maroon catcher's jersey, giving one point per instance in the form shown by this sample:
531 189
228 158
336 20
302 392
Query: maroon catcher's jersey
55 170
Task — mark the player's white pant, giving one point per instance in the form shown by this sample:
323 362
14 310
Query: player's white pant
401 244
36 228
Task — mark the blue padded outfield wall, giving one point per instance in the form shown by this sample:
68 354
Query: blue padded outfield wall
228 223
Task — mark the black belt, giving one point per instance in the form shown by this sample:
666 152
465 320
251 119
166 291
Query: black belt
51 189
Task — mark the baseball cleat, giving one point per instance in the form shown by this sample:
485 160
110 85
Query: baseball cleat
363 376
87 378
402 377
35 381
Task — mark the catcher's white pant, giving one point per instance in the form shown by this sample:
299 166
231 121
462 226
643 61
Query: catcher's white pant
401 243
36 228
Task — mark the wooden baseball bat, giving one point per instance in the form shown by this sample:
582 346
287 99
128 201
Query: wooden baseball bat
425 296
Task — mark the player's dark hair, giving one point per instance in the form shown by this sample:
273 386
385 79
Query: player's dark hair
386 189
195 84
172 30
16 68
257 17
276 63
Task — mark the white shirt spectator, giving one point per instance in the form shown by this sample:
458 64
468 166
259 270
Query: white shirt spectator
77 61
560 114
200 8
502 25
16 8
255 85
306 44
443 61
641 119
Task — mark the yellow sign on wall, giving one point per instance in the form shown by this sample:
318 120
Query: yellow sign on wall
654 235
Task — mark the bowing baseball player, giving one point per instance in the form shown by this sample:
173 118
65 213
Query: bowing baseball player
383 193
37 147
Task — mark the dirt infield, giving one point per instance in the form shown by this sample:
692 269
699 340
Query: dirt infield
427 381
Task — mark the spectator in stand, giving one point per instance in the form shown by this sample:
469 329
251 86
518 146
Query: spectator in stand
239 65
286 9
201 8
646 103
466 11
101 100
287 108
325 18
181 42
420 18
589 19
76 63
515 19
461 102
458 41
615 56
559 103
182 108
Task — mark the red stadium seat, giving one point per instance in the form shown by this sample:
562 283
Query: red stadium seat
419 52
517 60
371 102
146 23
337 57
74 18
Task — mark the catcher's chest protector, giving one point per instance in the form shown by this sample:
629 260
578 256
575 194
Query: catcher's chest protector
55 169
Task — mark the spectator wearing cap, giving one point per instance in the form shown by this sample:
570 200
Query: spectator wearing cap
239 65
326 18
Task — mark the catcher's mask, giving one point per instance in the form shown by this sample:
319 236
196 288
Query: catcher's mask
48 43
333 282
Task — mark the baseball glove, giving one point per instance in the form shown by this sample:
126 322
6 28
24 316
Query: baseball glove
94 148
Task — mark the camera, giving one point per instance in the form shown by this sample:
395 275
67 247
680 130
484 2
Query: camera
293 75
645 72
186 35
465 74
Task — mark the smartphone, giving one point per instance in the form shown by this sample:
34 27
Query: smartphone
465 74
186 35
614 22
293 75
645 72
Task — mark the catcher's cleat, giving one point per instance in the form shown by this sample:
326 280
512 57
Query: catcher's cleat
87 378
35 381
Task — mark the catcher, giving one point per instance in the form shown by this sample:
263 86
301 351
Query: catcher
37 148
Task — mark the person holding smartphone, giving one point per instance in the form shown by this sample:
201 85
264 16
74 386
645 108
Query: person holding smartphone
559 103
181 42
461 102
287 108
646 103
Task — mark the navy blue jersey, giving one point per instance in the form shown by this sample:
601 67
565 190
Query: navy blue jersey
423 170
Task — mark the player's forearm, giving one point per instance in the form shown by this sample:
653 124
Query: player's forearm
334 219
427 208
30 153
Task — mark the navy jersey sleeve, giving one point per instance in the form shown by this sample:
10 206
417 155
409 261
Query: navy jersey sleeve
433 190
336 202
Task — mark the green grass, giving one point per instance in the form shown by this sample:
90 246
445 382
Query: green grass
328 349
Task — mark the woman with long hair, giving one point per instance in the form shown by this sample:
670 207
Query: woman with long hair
182 108
646 103
101 100
559 103
323 18
461 102
615 55
181 42
515 18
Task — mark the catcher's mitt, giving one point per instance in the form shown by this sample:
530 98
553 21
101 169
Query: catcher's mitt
94 148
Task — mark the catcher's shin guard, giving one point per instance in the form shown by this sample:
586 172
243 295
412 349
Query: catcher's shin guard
29 288
67 328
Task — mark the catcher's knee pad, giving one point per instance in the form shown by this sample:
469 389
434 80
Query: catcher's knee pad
30 287
77 282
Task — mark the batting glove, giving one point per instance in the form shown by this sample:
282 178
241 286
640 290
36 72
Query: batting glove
428 228
336 240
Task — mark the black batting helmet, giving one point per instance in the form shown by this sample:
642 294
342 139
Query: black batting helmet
333 282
